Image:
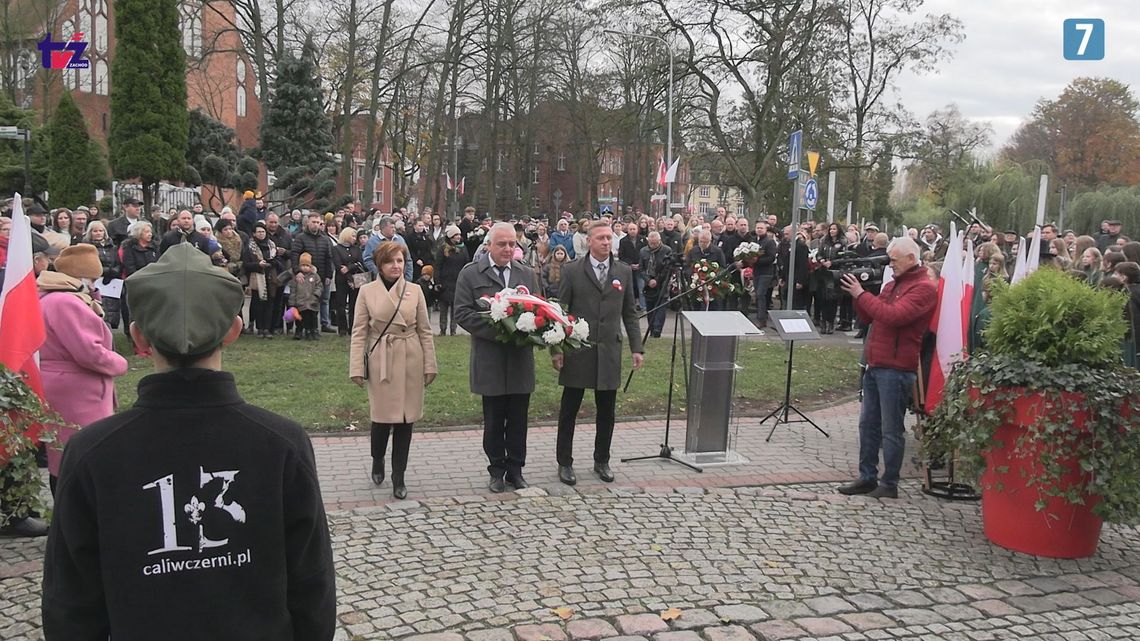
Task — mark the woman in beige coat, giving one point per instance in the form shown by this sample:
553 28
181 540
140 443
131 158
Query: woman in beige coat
401 359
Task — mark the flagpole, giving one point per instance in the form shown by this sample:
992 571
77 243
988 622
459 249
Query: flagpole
455 164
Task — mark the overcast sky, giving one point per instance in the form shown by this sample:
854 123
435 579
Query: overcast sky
1012 57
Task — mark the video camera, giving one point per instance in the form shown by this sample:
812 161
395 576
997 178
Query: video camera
867 270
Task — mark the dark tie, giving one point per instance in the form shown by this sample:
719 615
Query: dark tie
601 272
502 274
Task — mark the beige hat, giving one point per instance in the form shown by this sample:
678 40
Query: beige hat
452 230
79 261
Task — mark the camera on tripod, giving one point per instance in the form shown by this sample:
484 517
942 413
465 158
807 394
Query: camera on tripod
867 270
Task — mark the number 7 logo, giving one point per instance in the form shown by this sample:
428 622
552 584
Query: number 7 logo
1084 39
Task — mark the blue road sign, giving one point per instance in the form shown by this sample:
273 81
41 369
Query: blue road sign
811 194
795 152
1084 39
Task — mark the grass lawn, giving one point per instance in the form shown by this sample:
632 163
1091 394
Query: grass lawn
308 381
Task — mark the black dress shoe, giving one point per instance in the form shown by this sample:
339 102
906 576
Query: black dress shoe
518 481
566 475
603 472
27 527
859 487
497 485
884 492
328 329
399 490
378 472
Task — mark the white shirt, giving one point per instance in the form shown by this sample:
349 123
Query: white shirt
506 270
594 262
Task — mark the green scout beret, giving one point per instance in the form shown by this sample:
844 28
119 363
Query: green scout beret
182 303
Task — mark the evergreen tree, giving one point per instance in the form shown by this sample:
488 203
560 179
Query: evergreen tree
149 121
75 166
212 158
296 134
12 151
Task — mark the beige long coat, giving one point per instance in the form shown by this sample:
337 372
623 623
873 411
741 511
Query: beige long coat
397 366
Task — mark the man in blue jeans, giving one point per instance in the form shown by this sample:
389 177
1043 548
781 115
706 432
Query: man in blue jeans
898 317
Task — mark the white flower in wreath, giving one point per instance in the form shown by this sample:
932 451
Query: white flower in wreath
498 309
581 330
554 335
525 322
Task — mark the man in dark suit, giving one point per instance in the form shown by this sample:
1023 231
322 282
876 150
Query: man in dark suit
600 290
704 249
502 374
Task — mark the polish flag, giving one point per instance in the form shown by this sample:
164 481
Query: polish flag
462 182
671 175
968 285
447 181
662 173
948 322
21 322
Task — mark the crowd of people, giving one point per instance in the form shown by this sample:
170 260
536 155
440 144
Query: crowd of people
249 507
306 273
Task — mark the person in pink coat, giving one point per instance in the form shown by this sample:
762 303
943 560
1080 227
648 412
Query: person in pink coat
77 360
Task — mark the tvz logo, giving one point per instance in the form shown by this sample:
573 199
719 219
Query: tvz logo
64 54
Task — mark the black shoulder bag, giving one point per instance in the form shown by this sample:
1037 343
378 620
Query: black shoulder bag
403 285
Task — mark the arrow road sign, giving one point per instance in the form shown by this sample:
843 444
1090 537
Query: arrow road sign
811 194
795 152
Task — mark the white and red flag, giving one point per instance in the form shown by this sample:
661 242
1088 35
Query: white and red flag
21 322
948 322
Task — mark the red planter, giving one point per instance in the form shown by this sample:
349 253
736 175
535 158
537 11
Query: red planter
1009 513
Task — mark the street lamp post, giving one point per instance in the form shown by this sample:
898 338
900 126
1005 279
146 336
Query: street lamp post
669 134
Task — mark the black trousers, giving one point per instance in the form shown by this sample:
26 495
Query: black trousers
606 400
401 445
261 313
504 433
342 307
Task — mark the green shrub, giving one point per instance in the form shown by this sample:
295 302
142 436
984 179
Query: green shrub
1054 320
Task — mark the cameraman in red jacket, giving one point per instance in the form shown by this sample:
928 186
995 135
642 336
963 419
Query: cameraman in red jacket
899 317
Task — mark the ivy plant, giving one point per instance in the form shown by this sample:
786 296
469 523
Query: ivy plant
1060 338
22 486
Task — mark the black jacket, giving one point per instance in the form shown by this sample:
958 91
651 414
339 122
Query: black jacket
655 265
713 255
117 229
135 256
766 262
193 515
319 246
109 258
448 268
728 243
175 236
421 247
629 249
346 257
801 272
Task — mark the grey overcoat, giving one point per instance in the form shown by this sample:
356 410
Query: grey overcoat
607 308
495 368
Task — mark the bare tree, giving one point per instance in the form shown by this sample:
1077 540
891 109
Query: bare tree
878 45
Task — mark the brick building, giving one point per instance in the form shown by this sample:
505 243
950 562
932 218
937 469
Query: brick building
220 79
383 182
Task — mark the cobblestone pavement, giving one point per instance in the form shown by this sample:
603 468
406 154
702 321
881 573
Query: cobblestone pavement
743 564
747 552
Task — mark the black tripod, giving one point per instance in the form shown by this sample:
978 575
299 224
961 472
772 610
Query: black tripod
787 406
666 451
